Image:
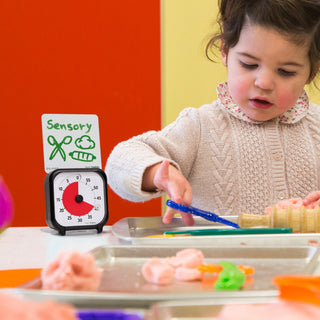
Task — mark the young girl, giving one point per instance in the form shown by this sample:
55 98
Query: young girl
259 142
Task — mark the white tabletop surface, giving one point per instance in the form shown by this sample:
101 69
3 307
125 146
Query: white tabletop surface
34 247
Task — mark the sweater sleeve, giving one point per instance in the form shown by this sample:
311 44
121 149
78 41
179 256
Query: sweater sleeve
177 142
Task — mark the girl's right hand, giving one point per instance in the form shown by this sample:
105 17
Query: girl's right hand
169 179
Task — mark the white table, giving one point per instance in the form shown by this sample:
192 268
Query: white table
34 247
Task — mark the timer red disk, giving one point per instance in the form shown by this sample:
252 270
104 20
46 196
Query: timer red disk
71 205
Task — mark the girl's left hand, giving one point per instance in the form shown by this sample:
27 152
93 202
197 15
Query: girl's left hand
312 199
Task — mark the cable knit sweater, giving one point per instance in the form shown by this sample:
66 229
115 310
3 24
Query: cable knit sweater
233 164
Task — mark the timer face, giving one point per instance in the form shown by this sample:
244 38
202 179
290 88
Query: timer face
77 199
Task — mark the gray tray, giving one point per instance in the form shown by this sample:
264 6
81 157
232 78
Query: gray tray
195 310
138 231
122 284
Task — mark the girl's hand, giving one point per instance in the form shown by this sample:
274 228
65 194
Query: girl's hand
312 199
169 179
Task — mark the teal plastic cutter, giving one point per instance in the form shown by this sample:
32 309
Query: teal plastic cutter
218 232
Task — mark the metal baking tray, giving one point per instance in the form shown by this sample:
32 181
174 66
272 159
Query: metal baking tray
123 285
206 309
140 231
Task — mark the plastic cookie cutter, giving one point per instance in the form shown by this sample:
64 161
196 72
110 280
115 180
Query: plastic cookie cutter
209 268
201 213
304 288
247 270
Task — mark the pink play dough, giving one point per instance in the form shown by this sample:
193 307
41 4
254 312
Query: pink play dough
71 270
310 201
188 258
294 203
157 272
283 310
187 274
14 308
182 266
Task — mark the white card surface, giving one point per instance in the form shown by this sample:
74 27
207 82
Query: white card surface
71 141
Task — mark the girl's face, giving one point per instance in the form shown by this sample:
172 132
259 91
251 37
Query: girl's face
266 72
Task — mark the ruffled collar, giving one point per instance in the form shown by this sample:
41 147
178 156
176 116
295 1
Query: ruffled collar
293 115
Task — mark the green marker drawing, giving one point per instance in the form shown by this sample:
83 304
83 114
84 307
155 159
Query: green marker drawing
58 146
82 156
85 142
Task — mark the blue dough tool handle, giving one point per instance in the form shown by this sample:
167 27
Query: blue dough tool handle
201 213
106 315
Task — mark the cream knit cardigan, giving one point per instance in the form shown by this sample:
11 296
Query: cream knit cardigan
232 165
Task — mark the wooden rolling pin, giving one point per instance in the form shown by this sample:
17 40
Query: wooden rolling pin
300 220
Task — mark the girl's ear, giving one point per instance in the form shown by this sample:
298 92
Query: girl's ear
224 53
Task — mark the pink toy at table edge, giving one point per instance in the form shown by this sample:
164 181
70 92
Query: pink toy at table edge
6 205
282 310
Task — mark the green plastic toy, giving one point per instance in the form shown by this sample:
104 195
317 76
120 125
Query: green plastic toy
230 278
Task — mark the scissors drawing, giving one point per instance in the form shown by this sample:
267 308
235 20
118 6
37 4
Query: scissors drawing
58 146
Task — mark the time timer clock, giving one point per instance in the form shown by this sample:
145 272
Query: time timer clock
76 199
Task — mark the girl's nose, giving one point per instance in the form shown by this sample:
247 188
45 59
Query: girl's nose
264 80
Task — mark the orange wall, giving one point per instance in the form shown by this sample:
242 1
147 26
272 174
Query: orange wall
75 56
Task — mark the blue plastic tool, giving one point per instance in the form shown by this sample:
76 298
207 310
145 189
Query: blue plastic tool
201 213
106 315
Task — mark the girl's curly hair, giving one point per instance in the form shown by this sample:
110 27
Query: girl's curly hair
299 20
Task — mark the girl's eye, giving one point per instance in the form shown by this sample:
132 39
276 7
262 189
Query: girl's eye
286 73
248 66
